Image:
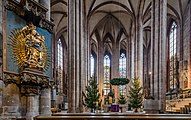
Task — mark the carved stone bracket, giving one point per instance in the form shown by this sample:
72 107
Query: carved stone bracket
44 23
32 81
11 78
31 11
29 76
13 5
44 83
29 5
36 8
28 90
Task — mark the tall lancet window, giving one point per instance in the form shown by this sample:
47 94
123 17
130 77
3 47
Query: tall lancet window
106 74
92 65
122 72
173 56
60 66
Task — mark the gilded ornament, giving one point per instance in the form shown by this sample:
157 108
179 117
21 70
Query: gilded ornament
29 48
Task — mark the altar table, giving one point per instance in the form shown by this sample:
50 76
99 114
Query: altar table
107 107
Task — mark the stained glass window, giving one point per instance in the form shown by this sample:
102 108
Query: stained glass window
122 72
60 66
172 55
92 65
106 74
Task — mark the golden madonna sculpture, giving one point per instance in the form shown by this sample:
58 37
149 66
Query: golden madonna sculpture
29 48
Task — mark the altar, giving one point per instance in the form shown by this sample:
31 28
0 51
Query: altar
115 107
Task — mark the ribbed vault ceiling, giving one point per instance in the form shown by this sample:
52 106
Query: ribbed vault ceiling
113 19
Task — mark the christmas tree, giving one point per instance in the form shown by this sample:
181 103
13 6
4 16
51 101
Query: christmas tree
122 99
91 95
135 94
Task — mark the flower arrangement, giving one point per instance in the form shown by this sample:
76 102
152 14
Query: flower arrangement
119 81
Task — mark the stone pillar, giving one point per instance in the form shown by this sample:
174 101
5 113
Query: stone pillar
1 17
132 53
84 51
32 81
115 60
1 53
77 72
11 97
128 65
77 53
53 98
32 106
101 68
46 4
115 67
11 101
45 102
139 49
71 56
1 79
158 53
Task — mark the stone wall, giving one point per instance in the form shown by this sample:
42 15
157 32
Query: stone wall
20 98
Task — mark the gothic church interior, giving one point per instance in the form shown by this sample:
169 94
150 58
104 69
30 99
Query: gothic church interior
50 49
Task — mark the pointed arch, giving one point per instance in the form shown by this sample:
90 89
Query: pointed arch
172 57
107 72
122 71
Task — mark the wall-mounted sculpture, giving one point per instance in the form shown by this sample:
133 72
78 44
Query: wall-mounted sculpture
29 48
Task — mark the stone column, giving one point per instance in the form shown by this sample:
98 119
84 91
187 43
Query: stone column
115 66
46 4
1 17
31 82
128 65
158 54
101 68
139 48
115 60
1 53
71 56
84 51
32 106
77 46
77 53
45 102
1 74
11 97
132 53
11 101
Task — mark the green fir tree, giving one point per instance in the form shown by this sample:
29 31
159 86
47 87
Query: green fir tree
135 94
122 99
91 95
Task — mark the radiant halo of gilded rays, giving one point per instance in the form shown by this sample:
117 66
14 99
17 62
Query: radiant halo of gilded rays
28 48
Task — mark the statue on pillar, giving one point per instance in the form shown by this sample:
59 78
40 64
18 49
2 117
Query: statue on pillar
29 48
147 94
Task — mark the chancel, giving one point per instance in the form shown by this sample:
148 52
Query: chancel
95 59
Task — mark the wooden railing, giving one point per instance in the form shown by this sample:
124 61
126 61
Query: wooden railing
179 102
113 116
